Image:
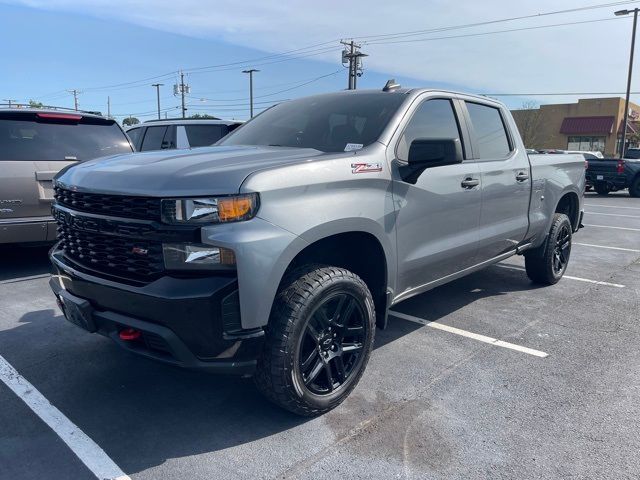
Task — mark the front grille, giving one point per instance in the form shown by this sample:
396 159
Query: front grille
118 256
114 205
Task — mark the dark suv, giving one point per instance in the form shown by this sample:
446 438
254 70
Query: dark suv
182 133
34 145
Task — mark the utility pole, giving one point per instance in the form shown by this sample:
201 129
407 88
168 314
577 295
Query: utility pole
75 93
9 101
250 72
352 55
158 85
626 99
108 107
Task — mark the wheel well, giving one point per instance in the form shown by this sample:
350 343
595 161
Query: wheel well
358 252
569 204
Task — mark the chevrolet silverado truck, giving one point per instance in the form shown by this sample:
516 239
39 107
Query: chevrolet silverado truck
277 252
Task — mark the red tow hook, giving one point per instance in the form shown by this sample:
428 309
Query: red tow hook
129 334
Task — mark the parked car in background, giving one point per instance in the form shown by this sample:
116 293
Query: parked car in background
278 251
612 174
179 133
34 145
587 155
633 153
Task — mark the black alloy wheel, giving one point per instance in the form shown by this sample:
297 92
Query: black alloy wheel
331 348
562 249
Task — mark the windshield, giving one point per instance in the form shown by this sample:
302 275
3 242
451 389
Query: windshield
329 123
25 139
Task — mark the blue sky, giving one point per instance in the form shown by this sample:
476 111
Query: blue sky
49 47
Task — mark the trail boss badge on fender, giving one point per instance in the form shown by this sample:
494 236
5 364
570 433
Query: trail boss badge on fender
366 167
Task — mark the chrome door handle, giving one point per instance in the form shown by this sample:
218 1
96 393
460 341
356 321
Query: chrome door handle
522 176
469 183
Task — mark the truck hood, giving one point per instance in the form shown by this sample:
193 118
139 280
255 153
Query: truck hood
201 171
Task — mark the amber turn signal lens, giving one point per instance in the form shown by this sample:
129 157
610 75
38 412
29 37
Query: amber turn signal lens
234 208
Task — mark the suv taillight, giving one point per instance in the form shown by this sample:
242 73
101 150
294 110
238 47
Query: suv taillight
620 166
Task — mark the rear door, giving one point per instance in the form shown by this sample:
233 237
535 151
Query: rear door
506 181
34 147
437 216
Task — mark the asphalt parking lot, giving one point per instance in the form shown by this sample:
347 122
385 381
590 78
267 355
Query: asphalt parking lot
514 381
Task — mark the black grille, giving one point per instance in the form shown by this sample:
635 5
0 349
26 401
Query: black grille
113 205
123 257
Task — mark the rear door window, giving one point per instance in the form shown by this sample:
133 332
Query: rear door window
154 138
27 137
203 135
491 136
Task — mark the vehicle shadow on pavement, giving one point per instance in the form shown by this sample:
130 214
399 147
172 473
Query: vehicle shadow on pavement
144 414
20 261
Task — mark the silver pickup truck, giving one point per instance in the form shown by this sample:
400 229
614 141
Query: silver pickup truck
276 252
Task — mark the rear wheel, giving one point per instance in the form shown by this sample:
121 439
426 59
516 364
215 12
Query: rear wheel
634 189
319 340
602 188
546 264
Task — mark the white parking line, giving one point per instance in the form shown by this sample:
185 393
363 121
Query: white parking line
615 228
605 246
85 449
610 206
612 214
23 279
474 336
568 277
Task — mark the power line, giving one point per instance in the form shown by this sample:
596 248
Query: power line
491 22
521 29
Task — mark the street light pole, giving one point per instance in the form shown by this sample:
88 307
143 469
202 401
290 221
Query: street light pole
250 72
158 85
626 100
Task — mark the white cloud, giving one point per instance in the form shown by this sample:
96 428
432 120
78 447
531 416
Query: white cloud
578 58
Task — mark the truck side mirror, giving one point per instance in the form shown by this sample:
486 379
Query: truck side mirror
428 153
435 152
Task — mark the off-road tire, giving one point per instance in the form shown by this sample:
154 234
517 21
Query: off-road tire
539 262
634 189
602 188
300 293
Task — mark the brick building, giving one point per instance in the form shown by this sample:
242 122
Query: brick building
590 124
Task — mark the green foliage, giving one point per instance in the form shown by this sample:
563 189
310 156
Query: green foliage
34 104
203 116
127 122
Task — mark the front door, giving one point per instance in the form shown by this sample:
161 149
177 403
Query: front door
437 217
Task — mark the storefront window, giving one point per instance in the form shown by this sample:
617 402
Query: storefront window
589 144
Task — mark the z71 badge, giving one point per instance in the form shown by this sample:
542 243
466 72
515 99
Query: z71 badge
366 167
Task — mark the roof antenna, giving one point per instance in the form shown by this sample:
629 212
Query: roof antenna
391 85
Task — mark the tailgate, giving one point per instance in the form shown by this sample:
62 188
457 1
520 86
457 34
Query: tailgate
602 167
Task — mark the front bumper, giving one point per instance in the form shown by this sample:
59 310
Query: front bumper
189 322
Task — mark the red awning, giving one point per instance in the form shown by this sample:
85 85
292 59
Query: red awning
585 125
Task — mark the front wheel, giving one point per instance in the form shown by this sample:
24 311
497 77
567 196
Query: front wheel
318 341
547 263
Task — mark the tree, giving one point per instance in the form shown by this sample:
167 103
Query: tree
127 122
203 116
34 104
529 119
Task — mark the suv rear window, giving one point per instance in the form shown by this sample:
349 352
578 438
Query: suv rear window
27 137
491 136
203 135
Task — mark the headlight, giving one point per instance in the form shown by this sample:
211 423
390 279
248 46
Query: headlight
181 256
233 208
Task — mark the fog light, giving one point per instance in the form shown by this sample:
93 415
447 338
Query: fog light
180 256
